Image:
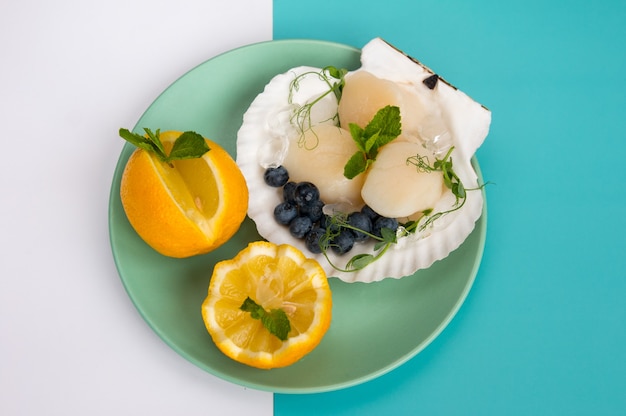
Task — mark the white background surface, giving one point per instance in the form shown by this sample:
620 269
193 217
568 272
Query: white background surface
71 74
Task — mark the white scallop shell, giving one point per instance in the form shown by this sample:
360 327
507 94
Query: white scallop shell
467 121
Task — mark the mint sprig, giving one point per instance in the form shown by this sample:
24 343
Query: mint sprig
384 127
189 145
275 321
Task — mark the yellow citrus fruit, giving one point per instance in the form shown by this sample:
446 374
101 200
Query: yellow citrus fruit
187 208
274 277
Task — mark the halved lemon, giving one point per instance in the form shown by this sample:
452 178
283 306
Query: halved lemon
188 207
274 277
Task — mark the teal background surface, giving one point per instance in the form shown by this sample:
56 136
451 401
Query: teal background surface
542 331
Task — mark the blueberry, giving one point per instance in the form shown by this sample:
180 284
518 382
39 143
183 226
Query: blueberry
289 192
326 222
313 210
373 215
285 212
299 226
306 193
362 222
384 222
312 239
276 177
343 242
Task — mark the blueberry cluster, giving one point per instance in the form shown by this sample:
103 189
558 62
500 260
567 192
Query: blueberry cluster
301 211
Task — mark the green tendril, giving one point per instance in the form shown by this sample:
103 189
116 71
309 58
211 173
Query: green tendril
450 179
389 237
339 221
301 118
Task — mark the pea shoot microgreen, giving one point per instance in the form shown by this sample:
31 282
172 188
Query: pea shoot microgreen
384 127
275 320
189 145
334 227
334 79
450 179
388 236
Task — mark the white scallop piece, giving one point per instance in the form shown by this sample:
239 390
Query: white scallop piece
466 121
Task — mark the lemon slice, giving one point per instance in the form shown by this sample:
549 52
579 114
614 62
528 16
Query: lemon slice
274 277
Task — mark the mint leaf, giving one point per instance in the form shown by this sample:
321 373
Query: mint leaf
275 321
251 306
189 145
357 135
385 126
141 142
156 141
356 164
371 144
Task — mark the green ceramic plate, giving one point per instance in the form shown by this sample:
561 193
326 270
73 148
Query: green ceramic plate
410 312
